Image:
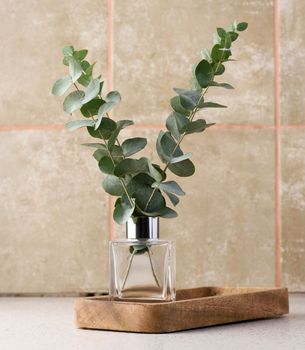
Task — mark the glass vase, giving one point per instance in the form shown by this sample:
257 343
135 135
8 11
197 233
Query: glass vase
142 267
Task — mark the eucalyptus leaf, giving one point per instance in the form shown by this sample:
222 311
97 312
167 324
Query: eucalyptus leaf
212 105
198 125
175 123
133 145
170 187
91 108
242 26
105 130
68 51
103 110
168 213
123 210
233 35
92 90
149 200
221 32
116 154
113 96
218 54
85 65
223 85
95 145
75 69
168 149
177 107
80 55
155 172
219 68
204 73
130 166
61 86
173 198
184 169
76 124
113 185
189 99
73 101
226 41
106 165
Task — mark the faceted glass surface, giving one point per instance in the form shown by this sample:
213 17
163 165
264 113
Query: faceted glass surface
142 269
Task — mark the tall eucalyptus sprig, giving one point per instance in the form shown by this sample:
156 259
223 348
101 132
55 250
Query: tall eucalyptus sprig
139 184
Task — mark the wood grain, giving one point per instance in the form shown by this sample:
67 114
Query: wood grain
194 308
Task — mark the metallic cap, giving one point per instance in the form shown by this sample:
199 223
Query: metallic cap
142 228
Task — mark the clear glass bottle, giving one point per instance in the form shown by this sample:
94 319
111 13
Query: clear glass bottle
142 266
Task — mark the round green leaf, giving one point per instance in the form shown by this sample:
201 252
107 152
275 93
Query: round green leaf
196 126
123 210
189 99
221 32
61 86
92 90
174 124
204 73
171 187
80 55
113 96
106 165
177 107
75 69
76 124
183 169
219 69
91 108
148 199
233 35
242 26
73 101
133 145
130 166
113 185
68 51
168 213
105 130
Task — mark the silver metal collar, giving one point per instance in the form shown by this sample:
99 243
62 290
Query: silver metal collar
142 228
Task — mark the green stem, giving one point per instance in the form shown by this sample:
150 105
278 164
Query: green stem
191 117
152 268
128 269
110 156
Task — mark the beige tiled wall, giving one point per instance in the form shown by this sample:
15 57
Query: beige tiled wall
54 213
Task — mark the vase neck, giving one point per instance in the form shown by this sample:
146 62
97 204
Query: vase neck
142 228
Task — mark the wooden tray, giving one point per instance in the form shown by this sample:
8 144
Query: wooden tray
194 308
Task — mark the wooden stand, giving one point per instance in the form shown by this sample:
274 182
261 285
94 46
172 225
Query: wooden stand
194 308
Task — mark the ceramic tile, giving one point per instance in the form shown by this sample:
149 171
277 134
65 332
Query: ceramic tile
54 215
156 43
293 209
292 54
33 34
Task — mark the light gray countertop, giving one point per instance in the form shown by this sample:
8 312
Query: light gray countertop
47 323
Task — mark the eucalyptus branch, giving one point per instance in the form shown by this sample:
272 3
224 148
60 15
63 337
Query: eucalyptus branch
148 183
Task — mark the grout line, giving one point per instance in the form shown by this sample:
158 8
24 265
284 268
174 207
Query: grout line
47 127
241 126
110 87
277 122
60 127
